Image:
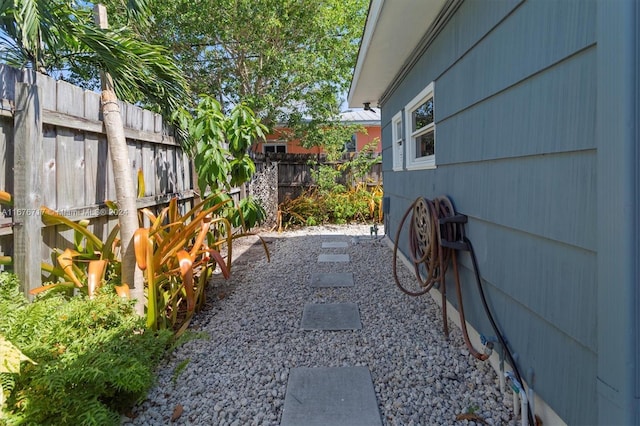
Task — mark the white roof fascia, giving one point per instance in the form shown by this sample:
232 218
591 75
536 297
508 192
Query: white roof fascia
372 19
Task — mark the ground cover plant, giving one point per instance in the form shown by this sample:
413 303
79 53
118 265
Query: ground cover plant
92 358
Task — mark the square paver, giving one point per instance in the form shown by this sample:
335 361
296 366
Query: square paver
331 316
333 258
332 279
330 396
335 244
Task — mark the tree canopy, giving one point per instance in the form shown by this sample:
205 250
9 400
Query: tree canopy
288 60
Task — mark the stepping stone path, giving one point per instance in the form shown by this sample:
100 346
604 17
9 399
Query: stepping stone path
333 258
331 316
335 244
331 396
332 279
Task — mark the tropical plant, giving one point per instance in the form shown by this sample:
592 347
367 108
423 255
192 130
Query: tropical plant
332 137
92 359
361 164
170 252
86 265
178 254
219 144
82 267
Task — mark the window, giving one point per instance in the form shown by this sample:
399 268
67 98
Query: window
350 145
397 149
421 130
275 148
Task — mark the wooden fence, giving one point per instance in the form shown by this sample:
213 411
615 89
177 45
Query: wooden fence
295 174
55 153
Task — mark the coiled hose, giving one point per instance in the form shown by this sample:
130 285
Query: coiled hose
436 233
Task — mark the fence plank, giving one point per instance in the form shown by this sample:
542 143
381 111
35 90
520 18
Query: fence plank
28 179
180 172
94 192
69 169
6 154
134 117
148 168
172 185
49 143
161 170
70 99
48 244
92 106
148 121
135 159
49 92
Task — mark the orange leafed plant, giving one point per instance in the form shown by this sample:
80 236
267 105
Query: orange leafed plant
177 261
83 267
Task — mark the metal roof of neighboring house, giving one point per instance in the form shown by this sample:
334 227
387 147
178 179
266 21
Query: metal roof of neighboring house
360 116
393 31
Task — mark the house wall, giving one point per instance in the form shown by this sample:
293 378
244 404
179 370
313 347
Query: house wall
363 139
516 151
294 147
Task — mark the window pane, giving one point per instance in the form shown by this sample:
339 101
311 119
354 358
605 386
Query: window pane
425 144
281 149
423 115
398 130
350 146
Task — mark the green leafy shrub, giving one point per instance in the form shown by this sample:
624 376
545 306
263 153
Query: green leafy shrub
93 357
326 176
331 201
359 204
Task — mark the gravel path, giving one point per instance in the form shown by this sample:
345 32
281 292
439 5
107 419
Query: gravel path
238 374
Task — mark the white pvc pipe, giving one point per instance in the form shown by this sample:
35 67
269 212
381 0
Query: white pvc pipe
523 409
518 390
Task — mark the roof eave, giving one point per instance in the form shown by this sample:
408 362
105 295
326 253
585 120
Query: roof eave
381 58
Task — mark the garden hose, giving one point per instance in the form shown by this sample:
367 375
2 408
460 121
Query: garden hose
436 234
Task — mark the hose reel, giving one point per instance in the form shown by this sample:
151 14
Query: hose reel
436 234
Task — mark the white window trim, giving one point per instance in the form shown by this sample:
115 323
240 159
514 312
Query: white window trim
398 142
413 163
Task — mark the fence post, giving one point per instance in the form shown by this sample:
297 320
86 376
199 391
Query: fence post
27 198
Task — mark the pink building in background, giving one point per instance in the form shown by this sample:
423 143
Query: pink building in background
370 120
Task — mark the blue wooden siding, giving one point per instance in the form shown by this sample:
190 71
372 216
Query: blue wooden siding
515 107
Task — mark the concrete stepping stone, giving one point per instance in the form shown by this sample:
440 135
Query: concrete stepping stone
336 396
332 279
331 316
335 244
333 258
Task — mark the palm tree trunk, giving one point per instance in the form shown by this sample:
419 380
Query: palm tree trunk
123 179
125 194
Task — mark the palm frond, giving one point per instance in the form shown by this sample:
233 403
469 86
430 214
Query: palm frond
138 68
53 34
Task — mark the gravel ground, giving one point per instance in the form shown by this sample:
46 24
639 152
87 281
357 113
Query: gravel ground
237 375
